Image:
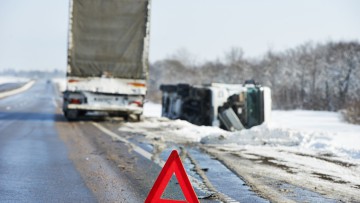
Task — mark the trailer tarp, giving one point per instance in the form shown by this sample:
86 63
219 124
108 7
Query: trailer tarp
108 37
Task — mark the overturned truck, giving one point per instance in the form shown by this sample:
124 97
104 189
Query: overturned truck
228 106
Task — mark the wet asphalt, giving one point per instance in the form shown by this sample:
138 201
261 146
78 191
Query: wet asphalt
34 164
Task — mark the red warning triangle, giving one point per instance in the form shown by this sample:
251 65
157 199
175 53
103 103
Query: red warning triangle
172 165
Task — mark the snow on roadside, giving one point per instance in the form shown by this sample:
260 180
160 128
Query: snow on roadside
175 130
61 82
152 110
169 130
334 142
329 131
12 79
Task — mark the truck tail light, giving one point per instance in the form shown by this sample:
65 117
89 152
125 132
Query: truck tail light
73 81
75 101
136 103
137 84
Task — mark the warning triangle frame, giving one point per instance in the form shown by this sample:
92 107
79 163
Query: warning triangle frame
172 166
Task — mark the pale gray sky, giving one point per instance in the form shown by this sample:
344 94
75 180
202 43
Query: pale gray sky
33 34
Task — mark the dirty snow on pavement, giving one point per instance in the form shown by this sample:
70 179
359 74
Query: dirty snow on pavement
311 149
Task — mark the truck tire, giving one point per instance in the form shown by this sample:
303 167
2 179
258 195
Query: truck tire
82 113
126 117
71 114
139 117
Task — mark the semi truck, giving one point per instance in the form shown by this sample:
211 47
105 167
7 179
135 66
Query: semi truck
228 106
107 62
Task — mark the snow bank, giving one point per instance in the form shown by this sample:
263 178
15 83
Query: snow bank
168 130
155 127
329 130
259 135
322 132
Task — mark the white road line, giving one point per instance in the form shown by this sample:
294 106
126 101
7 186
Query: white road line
144 153
137 149
55 103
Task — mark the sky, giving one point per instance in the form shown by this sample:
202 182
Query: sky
33 34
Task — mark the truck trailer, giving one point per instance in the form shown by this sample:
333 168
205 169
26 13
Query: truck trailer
107 57
228 106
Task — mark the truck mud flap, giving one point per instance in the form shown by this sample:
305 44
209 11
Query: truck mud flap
230 120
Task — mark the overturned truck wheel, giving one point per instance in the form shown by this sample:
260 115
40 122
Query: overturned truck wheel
139 117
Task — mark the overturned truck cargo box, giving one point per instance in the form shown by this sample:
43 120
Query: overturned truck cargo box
229 106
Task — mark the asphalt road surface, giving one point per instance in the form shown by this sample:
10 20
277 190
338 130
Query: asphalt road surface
34 164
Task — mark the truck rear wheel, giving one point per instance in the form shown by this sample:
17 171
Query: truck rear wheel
71 114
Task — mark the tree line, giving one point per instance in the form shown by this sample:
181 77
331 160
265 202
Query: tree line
310 76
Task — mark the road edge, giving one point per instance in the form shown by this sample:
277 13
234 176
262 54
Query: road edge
21 89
